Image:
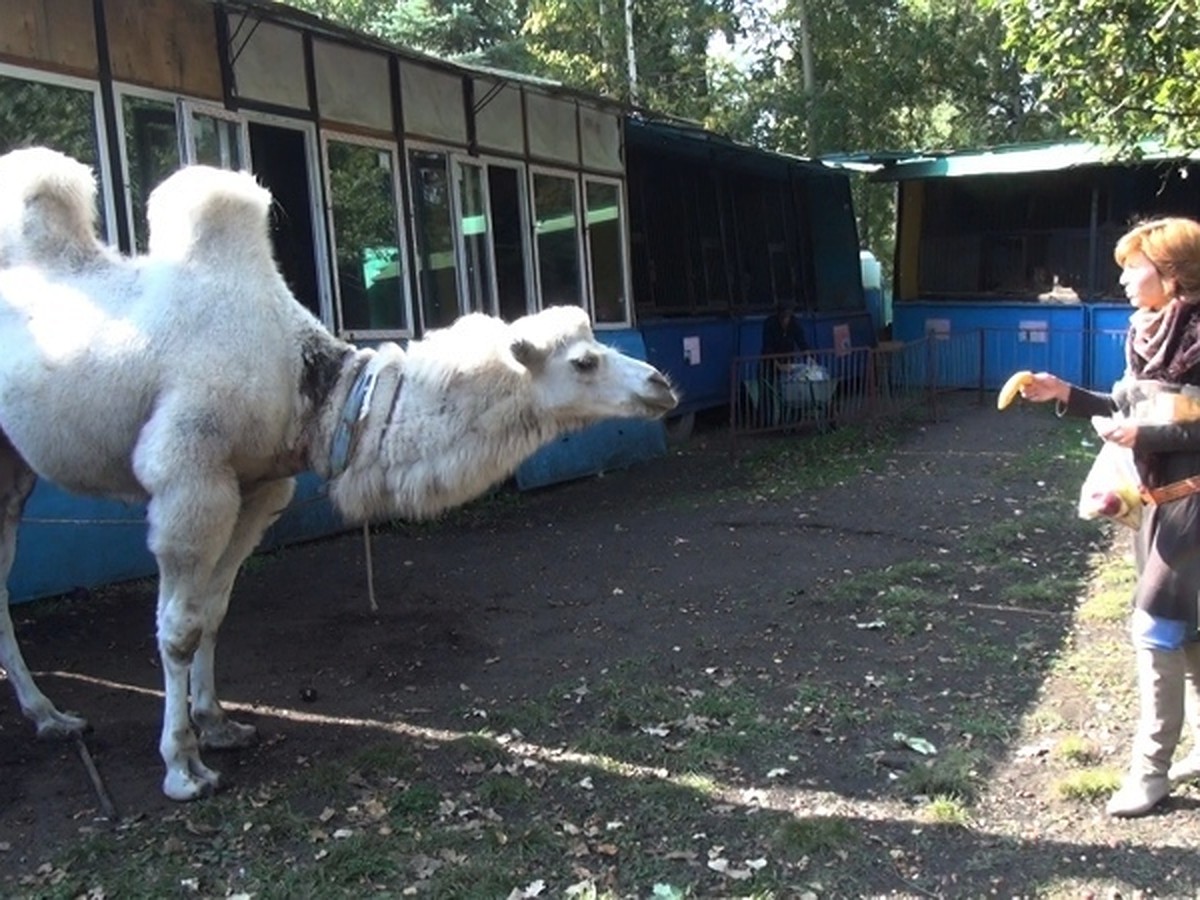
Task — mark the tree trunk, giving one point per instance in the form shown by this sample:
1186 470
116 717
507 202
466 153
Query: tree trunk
630 57
810 78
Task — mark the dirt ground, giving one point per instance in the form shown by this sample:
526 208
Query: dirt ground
670 562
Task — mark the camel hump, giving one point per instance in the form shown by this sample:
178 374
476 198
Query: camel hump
210 215
47 208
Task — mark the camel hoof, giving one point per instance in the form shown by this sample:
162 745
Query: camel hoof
227 735
183 786
57 726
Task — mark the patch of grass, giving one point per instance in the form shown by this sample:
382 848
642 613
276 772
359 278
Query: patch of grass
531 716
481 748
1077 750
947 810
951 774
1112 587
904 582
387 760
1101 667
355 862
815 836
787 467
1088 785
827 705
415 804
1047 590
504 790
984 724
1045 721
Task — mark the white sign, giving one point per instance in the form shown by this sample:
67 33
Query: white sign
938 329
691 350
1033 331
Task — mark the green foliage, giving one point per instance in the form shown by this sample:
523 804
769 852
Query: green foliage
1117 75
1088 785
802 77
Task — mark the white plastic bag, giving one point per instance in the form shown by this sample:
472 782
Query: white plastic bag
1112 487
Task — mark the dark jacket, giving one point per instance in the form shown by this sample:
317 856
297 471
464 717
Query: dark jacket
1167 545
782 337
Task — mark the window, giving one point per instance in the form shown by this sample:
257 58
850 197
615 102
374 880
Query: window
476 238
433 223
556 227
507 203
214 137
606 251
151 152
371 288
62 116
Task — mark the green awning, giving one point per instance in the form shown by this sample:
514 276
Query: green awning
1006 160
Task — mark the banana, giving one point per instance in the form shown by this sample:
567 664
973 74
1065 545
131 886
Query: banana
1012 387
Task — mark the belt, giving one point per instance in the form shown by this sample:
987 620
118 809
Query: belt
1173 491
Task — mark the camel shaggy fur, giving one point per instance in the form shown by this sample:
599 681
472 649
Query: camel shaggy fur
191 379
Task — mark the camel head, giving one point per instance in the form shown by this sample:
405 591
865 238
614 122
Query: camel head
576 379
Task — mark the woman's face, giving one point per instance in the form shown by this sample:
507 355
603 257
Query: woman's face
1142 282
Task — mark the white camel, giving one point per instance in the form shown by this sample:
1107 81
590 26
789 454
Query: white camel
191 379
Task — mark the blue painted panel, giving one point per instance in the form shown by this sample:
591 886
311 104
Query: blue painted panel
1007 342
615 444
703 383
1109 324
67 542
309 515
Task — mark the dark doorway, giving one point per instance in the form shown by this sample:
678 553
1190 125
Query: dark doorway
281 164
509 236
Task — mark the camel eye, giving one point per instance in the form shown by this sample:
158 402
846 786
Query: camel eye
586 363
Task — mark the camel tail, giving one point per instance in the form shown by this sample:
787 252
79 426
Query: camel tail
211 216
47 209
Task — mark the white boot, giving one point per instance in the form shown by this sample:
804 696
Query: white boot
1188 768
1160 676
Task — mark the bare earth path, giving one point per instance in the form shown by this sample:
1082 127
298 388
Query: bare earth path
687 568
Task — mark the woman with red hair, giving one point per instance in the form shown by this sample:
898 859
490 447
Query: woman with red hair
1154 411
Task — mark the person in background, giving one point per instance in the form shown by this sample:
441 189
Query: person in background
1160 273
781 333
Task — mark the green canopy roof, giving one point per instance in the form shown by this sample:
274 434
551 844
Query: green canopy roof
1009 159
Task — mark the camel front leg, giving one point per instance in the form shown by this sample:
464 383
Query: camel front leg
190 526
16 483
261 506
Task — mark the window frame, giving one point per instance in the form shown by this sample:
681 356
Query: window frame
104 163
121 90
402 233
624 251
574 176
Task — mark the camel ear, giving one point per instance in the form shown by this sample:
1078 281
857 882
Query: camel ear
528 354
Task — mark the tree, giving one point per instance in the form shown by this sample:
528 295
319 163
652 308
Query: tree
879 75
1118 73
583 43
486 31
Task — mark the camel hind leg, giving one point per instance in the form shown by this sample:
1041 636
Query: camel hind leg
16 483
261 506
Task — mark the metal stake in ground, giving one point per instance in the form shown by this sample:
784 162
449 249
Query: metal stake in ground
106 804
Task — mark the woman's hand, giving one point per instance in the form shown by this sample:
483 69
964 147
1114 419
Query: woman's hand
1116 431
1044 387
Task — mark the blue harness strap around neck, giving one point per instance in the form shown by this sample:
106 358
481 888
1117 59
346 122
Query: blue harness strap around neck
354 412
